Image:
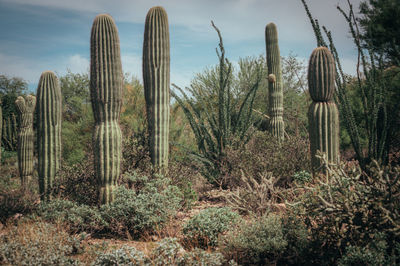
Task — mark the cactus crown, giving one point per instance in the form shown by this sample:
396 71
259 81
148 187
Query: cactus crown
321 75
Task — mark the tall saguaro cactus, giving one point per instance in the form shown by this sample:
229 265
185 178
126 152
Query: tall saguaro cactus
106 83
276 124
156 71
323 115
26 108
48 119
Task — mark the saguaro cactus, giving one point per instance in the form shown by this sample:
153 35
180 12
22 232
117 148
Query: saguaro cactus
275 91
106 83
48 119
323 115
156 70
26 108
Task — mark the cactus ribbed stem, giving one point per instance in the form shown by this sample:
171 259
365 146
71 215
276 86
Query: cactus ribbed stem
156 71
26 108
323 118
321 75
106 84
48 116
323 115
276 124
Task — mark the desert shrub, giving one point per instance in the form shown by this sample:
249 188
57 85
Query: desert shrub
144 210
257 197
372 254
123 256
260 241
77 217
201 257
302 177
37 244
16 201
347 207
263 153
204 228
136 154
78 182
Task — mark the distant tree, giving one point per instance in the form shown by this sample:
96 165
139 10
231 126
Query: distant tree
380 24
10 89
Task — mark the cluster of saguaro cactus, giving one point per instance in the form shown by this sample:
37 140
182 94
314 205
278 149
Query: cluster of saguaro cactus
275 94
26 108
106 84
323 115
48 115
156 71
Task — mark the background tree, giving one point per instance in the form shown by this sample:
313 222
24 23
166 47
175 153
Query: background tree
380 25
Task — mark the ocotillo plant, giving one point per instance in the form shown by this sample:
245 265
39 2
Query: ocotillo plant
48 119
275 90
106 83
323 115
26 108
156 69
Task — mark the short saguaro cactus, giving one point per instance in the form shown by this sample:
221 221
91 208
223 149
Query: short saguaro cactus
323 114
26 108
106 83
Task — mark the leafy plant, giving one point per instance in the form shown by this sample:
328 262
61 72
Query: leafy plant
204 228
123 256
216 116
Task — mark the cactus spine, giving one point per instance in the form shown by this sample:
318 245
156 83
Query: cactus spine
26 108
156 71
106 83
48 119
275 91
323 115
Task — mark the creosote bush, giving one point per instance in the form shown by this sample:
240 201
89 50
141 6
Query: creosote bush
204 228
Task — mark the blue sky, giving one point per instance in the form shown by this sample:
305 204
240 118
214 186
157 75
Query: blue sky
39 35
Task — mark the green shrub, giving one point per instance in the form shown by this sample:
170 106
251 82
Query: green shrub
16 201
147 209
37 244
204 228
77 217
199 257
261 241
124 256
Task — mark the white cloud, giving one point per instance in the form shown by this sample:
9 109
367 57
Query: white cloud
78 64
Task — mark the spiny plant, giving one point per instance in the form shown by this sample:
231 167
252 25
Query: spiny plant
218 119
10 135
323 115
377 121
276 125
106 84
26 108
48 117
156 71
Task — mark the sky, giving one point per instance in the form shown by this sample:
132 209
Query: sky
40 35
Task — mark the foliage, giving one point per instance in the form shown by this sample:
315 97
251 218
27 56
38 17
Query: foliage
145 210
377 120
261 241
203 229
380 23
215 115
16 201
263 154
123 256
37 244
10 89
76 217
348 207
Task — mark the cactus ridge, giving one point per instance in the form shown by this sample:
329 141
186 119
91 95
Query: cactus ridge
106 86
26 108
324 131
321 75
48 112
276 124
156 78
